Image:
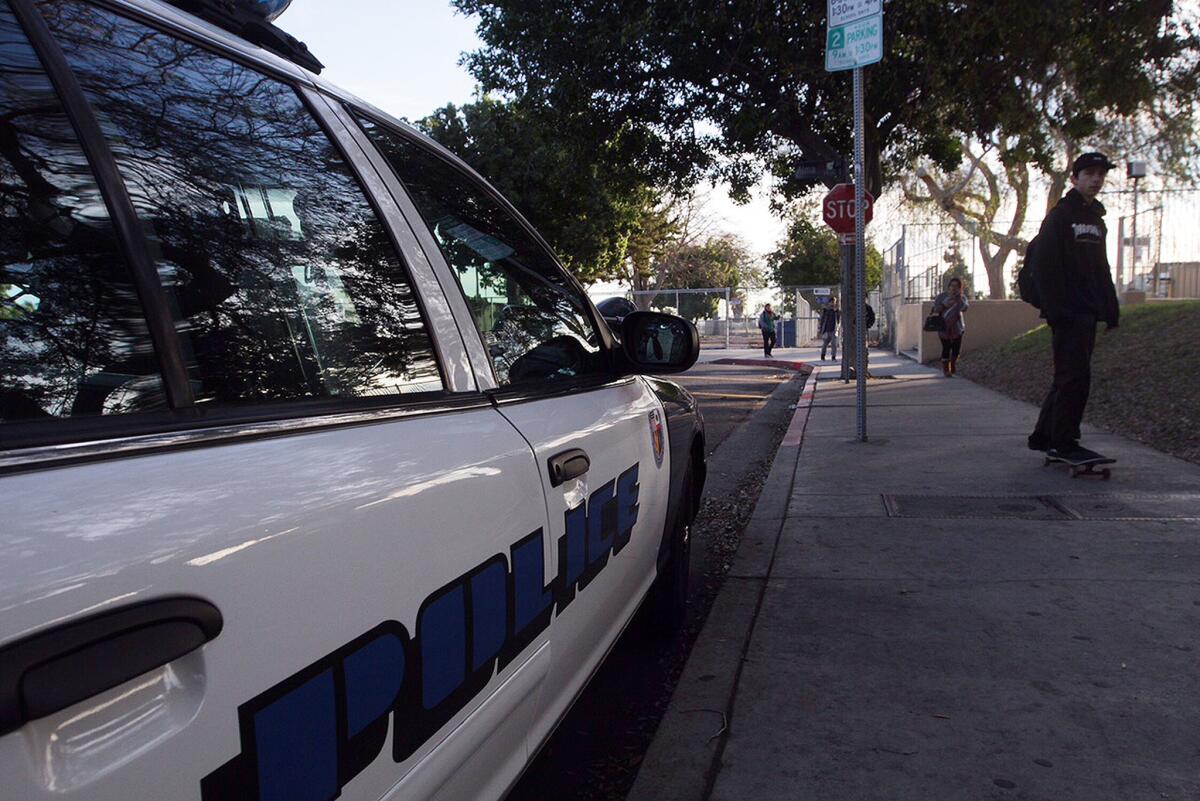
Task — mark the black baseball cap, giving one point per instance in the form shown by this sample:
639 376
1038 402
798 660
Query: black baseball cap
1090 160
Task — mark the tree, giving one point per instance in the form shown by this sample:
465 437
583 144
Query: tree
585 196
810 256
956 268
666 227
996 177
974 197
1148 113
755 71
718 262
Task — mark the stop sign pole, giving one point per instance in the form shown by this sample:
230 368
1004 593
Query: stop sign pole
847 209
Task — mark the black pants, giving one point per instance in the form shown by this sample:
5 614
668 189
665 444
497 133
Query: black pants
951 348
768 342
1062 411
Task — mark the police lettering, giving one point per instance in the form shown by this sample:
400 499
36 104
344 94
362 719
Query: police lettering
308 736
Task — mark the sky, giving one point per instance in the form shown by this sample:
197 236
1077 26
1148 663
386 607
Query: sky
403 57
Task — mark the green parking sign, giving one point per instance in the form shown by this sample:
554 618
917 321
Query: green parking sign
855 44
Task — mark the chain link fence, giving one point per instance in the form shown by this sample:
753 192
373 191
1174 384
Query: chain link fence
727 317
1158 244
1163 260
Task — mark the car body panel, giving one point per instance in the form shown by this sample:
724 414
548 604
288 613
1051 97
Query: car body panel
304 543
614 425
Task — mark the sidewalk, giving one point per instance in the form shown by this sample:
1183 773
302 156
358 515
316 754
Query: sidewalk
935 615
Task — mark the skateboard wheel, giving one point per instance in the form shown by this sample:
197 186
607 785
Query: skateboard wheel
1074 472
1046 462
1106 473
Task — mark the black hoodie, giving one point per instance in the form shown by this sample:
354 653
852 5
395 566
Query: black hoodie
1071 263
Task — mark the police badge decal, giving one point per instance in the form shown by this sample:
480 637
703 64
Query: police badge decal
656 437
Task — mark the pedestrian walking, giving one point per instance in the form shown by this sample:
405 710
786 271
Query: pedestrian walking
1075 290
950 305
766 324
827 325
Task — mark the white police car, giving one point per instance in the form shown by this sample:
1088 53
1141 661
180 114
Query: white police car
321 478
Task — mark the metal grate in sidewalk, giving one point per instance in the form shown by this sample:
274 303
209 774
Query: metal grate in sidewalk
984 506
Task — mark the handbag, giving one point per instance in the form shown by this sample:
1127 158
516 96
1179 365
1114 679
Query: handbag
934 322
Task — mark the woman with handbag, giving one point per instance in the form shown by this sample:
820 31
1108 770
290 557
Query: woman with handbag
949 306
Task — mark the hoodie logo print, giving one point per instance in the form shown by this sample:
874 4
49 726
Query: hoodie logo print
1087 232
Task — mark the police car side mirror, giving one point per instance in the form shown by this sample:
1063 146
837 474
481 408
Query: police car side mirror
652 342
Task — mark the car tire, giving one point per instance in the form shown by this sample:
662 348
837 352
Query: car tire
667 602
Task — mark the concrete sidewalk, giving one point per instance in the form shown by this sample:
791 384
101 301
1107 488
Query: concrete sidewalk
935 615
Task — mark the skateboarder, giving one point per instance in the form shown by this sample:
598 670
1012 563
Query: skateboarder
1076 291
766 324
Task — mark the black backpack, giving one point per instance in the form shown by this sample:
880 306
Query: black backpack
1026 285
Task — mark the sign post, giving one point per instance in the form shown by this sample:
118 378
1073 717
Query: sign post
860 278
854 39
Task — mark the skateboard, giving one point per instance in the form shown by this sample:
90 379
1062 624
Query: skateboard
1084 467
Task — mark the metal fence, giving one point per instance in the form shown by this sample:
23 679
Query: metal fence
1160 261
1157 241
709 309
727 317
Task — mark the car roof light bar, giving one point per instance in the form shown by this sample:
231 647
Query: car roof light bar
241 18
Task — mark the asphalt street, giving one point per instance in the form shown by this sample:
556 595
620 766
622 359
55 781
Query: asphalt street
729 394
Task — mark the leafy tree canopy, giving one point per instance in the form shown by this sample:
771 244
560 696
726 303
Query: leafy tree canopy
810 256
956 267
721 261
584 194
718 262
736 87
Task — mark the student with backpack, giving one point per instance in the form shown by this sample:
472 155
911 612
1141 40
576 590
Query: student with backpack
766 324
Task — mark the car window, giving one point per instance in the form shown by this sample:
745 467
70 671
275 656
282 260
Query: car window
73 341
284 282
534 323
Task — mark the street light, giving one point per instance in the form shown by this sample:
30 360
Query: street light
1136 170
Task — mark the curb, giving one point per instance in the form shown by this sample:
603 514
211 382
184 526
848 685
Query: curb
802 367
684 756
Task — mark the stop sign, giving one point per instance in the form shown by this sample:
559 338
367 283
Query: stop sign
838 208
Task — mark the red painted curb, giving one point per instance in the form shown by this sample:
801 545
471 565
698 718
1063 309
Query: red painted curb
800 367
794 435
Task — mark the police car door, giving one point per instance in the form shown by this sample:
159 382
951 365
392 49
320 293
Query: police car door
261 529
597 439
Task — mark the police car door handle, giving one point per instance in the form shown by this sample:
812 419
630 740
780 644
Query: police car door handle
49 671
567 465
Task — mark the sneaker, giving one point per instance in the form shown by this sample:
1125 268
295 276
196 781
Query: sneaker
1082 454
1073 454
1061 451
